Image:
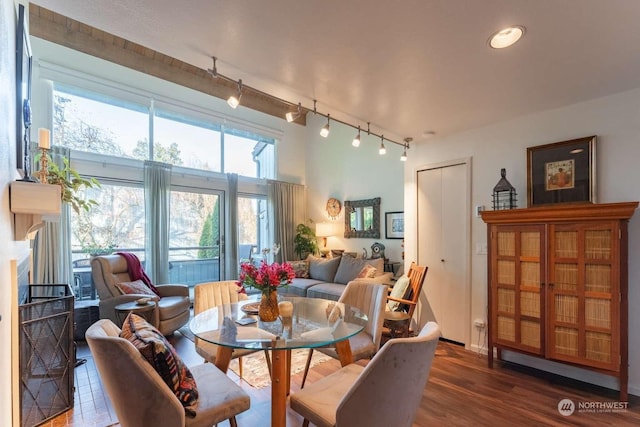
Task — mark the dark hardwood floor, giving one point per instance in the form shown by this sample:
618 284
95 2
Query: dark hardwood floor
462 391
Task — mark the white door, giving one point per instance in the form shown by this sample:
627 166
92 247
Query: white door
443 230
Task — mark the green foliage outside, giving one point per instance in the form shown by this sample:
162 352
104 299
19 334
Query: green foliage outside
210 233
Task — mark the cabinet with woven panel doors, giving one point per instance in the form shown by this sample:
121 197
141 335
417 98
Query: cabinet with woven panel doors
558 285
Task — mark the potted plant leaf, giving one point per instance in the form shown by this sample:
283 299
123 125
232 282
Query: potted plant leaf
71 183
305 241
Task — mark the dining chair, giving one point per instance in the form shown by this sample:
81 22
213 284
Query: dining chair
211 294
369 297
140 396
385 392
402 301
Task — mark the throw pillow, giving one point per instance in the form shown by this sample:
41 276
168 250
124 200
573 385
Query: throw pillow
156 350
367 272
323 269
400 290
300 268
136 287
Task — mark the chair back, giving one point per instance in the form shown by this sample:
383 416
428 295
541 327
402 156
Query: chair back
416 275
392 384
211 294
371 298
107 271
139 395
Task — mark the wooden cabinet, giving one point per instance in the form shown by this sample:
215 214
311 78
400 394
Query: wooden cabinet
558 285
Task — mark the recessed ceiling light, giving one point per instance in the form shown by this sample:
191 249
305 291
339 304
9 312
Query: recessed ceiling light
506 37
576 151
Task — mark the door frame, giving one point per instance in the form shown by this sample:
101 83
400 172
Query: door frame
467 162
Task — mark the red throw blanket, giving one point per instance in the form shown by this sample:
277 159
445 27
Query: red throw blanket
136 272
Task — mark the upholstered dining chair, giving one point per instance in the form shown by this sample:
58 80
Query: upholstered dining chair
139 395
371 298
211 294
385 392
402 301
108 271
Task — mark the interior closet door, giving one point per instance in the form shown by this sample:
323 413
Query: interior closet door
443 246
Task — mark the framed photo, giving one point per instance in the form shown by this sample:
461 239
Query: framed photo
23 92
562 172
394 225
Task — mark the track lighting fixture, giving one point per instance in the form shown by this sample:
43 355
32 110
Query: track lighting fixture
324 132
213 71
296 111
407 141
291 116
356 140
234 100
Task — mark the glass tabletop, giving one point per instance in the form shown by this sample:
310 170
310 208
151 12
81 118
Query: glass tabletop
314 322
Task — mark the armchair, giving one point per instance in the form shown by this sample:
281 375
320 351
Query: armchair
172 306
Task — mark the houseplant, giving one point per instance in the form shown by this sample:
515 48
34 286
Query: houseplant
71 183
267 279
305 241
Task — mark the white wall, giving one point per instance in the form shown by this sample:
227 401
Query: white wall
616 122
337 169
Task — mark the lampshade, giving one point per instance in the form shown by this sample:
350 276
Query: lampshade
324 229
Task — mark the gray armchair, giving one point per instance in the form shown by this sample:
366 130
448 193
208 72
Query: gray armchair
172 305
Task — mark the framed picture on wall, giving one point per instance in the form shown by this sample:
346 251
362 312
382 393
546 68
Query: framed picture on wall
23 92
394 222
562 172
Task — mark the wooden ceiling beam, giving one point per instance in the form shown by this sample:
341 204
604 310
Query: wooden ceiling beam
59 29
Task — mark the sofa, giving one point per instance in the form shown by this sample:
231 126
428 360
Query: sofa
328 277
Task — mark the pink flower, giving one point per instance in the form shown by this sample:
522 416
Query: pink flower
267 277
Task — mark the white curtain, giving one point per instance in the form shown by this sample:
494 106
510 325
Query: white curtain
157 197
287 208
231 254
52 245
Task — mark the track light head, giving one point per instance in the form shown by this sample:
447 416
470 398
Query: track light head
403 158
382 150
292 116
234 100
324 132
356 140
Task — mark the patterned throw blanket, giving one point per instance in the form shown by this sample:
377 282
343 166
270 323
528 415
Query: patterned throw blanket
136 272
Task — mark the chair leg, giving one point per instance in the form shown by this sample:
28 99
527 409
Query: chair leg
306 368
305 423
232 422
240 366
268 358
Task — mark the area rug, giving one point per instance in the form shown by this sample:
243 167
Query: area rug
254 368
255 371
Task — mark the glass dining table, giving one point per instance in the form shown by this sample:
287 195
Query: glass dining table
304 323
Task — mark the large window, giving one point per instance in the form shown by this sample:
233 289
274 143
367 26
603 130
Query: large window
118 134
116 222
99 124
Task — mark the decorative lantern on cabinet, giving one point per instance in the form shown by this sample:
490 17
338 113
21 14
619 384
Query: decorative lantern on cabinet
504 195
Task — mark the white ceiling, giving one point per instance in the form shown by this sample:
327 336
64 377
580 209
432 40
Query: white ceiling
406 66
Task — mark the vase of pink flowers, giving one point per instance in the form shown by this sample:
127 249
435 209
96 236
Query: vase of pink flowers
267 278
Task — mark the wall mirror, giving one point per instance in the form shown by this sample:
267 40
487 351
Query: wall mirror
362 218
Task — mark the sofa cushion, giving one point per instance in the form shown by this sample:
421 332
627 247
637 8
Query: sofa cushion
350 268
299 286
331 291
323 269
135 287
156 350
300 268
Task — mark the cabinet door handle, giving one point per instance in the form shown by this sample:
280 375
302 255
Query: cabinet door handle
442 260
